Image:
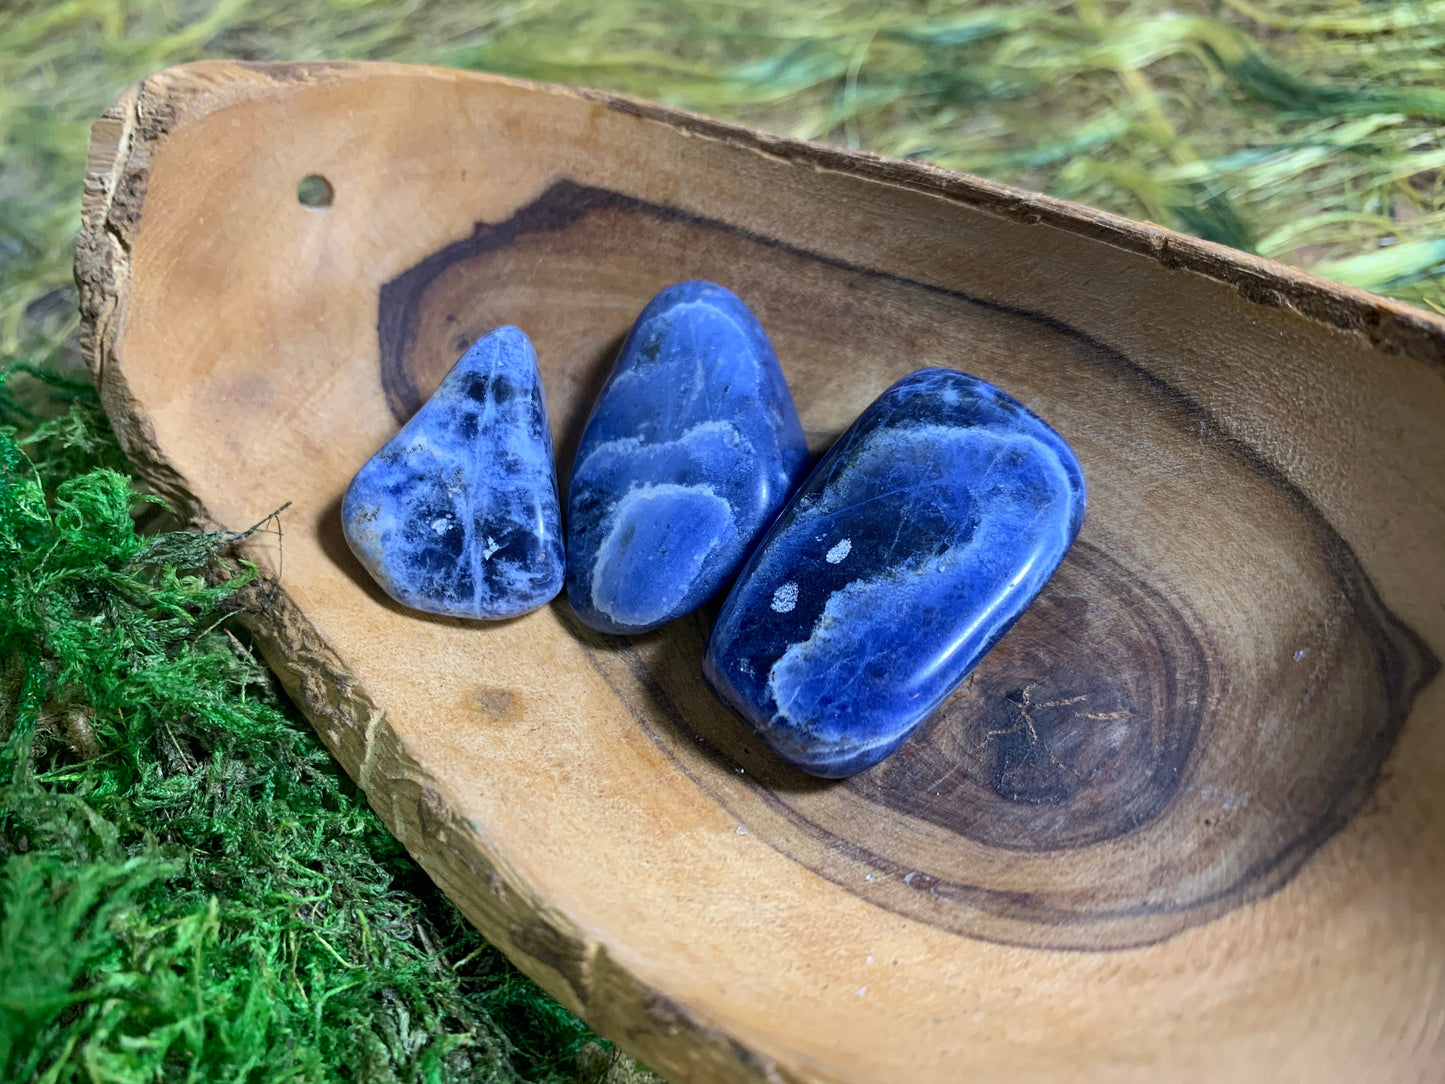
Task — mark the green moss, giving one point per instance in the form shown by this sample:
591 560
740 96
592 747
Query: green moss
189 888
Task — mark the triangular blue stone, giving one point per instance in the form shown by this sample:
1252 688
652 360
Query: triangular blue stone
458 513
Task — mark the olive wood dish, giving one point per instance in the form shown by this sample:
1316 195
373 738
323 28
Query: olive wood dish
1185 822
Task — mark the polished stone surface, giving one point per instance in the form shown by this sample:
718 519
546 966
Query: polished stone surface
690 452
924 533
458 513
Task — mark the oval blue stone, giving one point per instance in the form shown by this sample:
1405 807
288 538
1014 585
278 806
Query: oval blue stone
923 534
691 450
458 513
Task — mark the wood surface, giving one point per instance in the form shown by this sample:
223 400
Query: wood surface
1186 822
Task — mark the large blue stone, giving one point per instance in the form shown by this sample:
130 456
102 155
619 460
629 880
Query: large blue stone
691 450
924 533
458 513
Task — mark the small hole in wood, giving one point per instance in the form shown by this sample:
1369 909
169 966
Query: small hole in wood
315 191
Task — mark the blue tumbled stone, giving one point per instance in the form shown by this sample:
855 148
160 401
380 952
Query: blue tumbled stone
692 448
458 513
923 534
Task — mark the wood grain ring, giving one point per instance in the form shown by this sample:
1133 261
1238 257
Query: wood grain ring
1119 768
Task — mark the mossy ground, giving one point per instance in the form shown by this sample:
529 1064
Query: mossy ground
189 888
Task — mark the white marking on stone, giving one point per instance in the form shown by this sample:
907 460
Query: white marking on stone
1300 654
839 551
636 508
785 598
862 990
724 431
490 548
440 524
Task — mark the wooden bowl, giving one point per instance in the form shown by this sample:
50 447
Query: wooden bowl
1185 822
